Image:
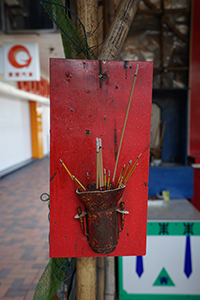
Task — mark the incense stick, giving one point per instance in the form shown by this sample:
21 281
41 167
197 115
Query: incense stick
100 164
121 174
105 177
97 163
130 162
108 179
129 173
72 176
66 169
120 183
79 182
127 111
127 177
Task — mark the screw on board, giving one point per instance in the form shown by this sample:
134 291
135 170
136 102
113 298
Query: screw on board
87 132
103 76
125 68
69 76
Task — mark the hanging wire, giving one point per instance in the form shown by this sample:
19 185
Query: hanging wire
89 35
96 46
66 266
71 11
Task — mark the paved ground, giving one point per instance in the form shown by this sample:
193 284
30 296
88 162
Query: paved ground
24 229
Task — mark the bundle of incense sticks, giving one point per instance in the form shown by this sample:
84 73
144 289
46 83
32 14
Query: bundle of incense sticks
101 180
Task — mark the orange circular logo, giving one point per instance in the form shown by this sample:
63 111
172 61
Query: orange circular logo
12 57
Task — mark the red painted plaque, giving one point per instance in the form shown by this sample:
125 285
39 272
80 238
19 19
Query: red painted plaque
89 99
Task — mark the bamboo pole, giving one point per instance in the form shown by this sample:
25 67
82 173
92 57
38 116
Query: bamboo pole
109 51
87 12
110 278
118 30
86 278
100 278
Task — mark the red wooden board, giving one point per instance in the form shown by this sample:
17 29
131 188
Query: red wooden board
194 109
84 107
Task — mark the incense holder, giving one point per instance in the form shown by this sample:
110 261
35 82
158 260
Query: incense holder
102 218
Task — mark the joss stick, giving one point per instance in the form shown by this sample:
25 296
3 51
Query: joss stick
128 176
108 179
162 134
121 174
79 182
104 177
130 162
97 164
66 169
72 176
120 183
127 111
100 165
131 170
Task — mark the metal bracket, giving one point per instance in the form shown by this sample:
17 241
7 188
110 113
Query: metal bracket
81 215
122 211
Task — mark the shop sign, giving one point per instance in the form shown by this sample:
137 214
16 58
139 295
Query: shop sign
21 62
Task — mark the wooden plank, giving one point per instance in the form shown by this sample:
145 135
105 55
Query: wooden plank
173 27
80 112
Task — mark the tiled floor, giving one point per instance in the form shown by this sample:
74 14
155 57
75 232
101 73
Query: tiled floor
24 229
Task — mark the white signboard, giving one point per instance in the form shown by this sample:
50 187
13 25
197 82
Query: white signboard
163 268
21 62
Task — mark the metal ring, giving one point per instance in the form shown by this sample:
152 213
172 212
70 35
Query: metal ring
44 195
